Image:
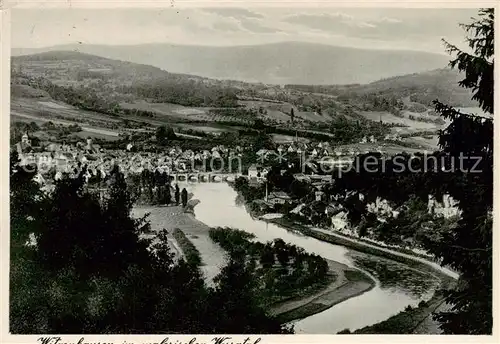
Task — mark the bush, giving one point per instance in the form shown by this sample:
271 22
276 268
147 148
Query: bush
191 253
422 303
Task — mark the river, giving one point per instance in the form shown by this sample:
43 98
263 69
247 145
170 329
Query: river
397 284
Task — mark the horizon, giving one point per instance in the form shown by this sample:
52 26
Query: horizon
403 29
72 45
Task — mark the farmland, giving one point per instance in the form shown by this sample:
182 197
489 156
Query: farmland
387 117
107 97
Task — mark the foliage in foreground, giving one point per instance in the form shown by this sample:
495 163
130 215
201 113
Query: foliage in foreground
88 271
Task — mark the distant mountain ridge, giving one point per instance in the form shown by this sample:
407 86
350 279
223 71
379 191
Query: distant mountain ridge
278 63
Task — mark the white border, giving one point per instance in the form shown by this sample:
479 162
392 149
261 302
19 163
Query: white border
119 339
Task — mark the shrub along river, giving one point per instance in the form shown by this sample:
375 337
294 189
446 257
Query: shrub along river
398 285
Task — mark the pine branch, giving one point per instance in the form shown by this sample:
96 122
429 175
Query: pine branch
449 111
453 49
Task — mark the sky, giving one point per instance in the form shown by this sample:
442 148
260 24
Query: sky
375 28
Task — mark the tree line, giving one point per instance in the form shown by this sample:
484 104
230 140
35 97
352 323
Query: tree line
280 270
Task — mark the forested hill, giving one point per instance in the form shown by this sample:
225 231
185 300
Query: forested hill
82 65
120 81
423 88
277 63
101 84
70 68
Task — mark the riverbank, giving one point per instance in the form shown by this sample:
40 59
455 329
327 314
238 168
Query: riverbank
140 211
416 262
213 257
348 283
412 320
292 284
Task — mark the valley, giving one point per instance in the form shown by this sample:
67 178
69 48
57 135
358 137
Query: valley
115 98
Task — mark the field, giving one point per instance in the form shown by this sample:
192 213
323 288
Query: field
209 128
129 85
390 118
430 143
280 111
387 148
26 91
279 138
97 125
49 109
175 111
93 124
313 116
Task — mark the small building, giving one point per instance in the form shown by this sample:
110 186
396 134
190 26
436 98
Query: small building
278 197
302 177
25 139
340 221
89 144
254 171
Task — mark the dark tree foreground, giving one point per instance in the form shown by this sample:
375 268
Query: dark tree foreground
467 245
79 265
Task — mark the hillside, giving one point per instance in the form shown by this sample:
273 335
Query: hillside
147 94
117 81
421 88
280 63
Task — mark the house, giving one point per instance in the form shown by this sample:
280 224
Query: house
25 139
332 209
53 147
298 209
89 144
319 195
302 177
327 152
265 171
254 171
206 154
278 197
340 221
